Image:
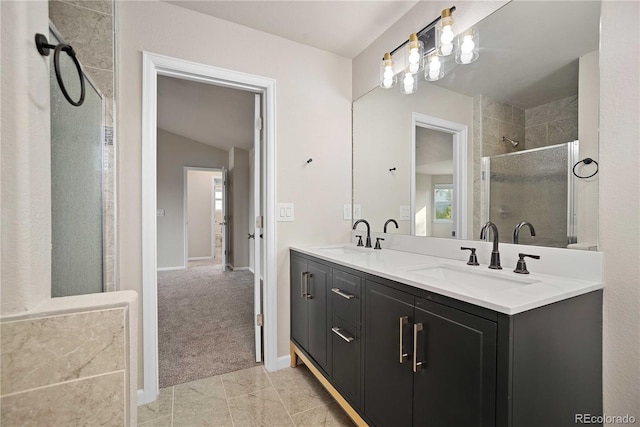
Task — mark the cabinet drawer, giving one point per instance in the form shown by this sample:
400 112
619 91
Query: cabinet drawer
345 340
345 296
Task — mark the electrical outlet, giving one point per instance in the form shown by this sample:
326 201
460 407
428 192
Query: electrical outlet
405 213
160 212
346 212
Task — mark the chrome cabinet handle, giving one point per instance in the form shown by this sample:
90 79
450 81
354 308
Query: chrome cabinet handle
303 284
338 332
342 294
417 366
307 295
403 356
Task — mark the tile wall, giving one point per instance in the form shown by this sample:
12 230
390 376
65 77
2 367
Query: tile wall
68 369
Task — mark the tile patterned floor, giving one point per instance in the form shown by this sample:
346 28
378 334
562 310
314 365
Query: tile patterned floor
251 397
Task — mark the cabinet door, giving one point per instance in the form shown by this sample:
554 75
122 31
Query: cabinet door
299 311
317 289
345 363
457 381
388 393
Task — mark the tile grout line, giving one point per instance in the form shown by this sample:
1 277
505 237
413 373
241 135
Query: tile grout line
280 399
74 380
88 8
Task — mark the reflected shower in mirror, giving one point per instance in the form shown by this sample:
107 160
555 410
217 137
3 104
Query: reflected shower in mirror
528 90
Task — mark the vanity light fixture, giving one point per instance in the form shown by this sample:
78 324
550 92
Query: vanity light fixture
434 69
408 82
444 33
414 55
388 79
467 46
427 49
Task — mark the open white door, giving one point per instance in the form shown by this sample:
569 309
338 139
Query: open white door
257 241
225 222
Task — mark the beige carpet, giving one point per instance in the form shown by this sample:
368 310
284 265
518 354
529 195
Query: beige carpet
205 322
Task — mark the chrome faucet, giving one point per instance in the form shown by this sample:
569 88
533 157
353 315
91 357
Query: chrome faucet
393 221
516 231
355 224
495 255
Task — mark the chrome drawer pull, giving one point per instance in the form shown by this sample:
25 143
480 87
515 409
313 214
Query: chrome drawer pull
303 284
342 294
338 332
417 366
403 356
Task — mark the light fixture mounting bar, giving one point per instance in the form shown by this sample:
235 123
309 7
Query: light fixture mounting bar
423 33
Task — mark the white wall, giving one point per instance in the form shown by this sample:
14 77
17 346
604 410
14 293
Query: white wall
200 213
25 165
174 153
313 119
619 236
239 207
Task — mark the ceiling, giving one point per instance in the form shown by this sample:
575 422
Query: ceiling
345 28
213 115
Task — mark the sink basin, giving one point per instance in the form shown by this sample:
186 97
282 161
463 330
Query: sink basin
465 278
342 250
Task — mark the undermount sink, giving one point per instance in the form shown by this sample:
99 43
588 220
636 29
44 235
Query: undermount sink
465 278
342 250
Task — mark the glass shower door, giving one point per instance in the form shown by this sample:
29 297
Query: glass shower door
535 186
76 184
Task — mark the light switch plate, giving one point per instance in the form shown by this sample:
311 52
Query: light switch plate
285 212
346 212
405 213
160 212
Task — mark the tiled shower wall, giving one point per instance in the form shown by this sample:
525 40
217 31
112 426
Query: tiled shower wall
541 126
88 26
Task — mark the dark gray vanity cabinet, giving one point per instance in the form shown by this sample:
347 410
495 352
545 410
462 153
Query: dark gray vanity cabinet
433 364
345 335
400 356
310 281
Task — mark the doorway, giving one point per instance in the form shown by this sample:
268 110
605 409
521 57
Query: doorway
265 253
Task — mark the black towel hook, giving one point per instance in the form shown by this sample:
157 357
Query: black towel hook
44 46
586 161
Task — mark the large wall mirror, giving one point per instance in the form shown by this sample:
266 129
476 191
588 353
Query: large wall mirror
496 140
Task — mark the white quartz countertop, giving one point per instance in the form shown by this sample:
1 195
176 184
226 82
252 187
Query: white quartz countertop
500 290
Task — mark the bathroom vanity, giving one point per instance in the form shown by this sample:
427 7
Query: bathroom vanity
406 339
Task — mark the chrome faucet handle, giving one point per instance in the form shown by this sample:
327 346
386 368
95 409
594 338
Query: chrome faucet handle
473 258
378 243
359 236
521 267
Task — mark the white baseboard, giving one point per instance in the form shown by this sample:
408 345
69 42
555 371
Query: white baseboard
284 362
200 258
241 268
172 268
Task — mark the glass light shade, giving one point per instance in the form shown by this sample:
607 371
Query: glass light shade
408 83
388 79
434 68
414 55
445 34
467 46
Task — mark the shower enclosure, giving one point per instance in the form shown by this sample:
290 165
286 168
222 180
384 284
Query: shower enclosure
534 185
76 182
